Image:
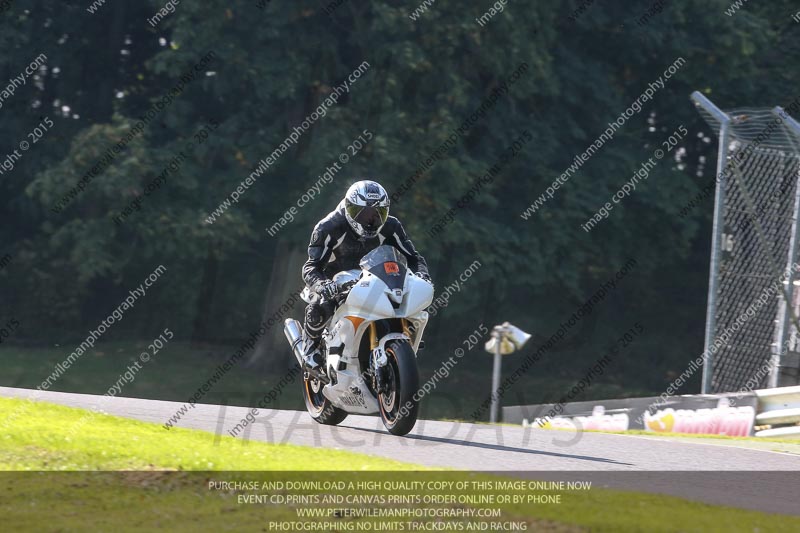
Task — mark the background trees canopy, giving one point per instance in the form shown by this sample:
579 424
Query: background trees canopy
271 68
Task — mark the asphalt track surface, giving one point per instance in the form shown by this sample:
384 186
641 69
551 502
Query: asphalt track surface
712 473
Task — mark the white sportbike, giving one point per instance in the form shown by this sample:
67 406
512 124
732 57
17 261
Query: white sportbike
370 344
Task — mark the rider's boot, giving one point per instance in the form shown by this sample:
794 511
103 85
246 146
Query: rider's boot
313 360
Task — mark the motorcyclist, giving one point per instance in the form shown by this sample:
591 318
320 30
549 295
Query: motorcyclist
359 224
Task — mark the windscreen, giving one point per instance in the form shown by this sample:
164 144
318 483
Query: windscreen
387 264
380 255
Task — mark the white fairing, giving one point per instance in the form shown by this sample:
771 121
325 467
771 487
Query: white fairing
419 295
369 299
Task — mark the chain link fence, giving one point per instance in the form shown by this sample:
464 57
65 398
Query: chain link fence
754 246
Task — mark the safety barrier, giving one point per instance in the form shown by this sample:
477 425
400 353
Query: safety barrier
780 409
761 413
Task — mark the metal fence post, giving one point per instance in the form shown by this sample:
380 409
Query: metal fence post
786 307
716 236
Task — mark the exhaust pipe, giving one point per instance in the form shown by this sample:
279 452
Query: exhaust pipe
294 334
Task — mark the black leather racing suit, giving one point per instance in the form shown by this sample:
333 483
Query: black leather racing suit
335 247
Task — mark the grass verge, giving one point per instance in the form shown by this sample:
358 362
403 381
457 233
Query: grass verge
147 496
45 436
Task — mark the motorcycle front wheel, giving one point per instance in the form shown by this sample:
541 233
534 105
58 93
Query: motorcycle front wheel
398 406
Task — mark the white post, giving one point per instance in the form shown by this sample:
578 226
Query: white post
495 383
515 339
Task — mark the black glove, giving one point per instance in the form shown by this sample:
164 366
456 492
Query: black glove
327 289
425 276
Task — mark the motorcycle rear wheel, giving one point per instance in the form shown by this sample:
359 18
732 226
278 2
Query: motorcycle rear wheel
318 406
398 407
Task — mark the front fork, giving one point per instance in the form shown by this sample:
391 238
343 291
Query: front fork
378 359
